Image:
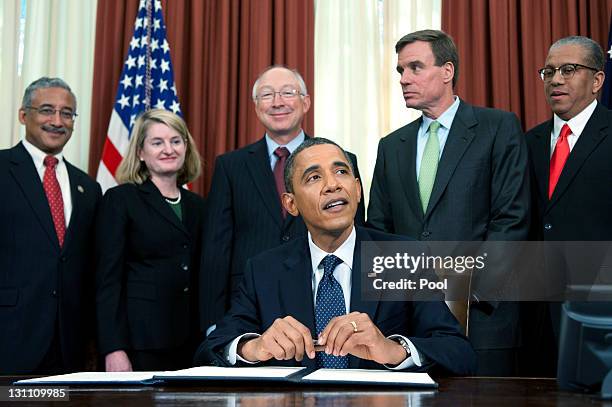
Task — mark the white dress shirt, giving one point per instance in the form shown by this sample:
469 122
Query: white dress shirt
576 125
342 274
61 172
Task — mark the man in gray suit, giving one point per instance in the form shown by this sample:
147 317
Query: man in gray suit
458 173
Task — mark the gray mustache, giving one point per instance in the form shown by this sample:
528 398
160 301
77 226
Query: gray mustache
51 129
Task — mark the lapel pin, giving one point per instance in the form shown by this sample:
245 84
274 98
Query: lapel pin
80 189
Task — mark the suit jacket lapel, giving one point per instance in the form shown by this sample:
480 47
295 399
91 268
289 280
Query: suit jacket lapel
152 196
76 193
406 159
459 139
541 161
190 215
295 288
27 178
258 164
357 302
594 132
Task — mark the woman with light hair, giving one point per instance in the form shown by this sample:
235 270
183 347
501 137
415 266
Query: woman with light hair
148 238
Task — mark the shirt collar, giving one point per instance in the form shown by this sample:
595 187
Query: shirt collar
291 146
576 123
344 252
446 118
38 155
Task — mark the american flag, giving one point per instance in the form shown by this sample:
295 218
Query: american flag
147 81
606 97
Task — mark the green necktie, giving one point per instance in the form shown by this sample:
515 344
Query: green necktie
429 164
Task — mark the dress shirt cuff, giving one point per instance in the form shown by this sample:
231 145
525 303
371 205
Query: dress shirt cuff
415 358
231 350
210 329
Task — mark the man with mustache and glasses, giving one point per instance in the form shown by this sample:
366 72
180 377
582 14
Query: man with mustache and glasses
571 172
46 276
571 154
244 215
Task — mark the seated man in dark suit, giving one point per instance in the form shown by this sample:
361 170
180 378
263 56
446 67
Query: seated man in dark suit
311 288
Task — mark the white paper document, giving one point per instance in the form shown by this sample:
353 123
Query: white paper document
210 372
239 373
370 376
94 377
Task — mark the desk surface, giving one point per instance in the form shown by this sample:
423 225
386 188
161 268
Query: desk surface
471 391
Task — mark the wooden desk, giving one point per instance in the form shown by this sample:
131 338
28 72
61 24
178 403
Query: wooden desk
495 392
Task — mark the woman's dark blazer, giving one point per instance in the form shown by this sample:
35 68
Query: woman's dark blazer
147 264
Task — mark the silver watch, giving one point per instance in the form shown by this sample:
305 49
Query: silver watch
404 345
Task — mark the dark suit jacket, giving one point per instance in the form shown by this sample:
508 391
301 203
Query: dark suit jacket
581 205
278 283
43 287
243 219
481 192
579 210
147 269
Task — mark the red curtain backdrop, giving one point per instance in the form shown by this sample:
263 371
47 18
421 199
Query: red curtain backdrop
218 48
502 44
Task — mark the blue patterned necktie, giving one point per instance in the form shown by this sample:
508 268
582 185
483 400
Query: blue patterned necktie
330 304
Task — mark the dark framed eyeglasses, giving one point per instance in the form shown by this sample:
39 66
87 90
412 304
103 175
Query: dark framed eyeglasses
48 111
567 71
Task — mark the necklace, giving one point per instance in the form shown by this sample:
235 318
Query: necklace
174 201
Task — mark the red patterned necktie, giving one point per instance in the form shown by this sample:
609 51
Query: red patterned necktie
279 174
558 159
54 196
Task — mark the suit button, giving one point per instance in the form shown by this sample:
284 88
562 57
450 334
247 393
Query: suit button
186 289
548 226
54 293
185 267
425 234
63 259
185 246
286 238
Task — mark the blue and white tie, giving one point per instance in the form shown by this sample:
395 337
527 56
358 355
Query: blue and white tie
330 304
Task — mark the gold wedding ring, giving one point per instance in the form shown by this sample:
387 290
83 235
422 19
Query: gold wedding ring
354 324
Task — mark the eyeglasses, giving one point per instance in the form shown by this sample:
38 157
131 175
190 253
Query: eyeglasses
267 95
48 111
567 71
